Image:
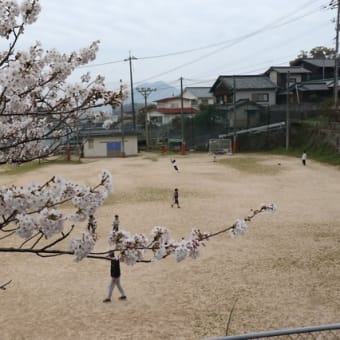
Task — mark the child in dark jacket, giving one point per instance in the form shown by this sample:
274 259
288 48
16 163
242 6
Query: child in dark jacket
175 198
115 280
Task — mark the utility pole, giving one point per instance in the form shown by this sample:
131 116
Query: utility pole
182 119
132 96
336 66
234 116
145 92
122 119
287 113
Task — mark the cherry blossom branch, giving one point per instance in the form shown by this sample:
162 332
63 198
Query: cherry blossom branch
132 248
59 239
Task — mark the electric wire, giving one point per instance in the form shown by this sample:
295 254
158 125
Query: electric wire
222 43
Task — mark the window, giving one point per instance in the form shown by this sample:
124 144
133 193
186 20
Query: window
91 143
292 81
260 97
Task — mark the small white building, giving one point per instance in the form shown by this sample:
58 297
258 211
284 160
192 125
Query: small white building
109 143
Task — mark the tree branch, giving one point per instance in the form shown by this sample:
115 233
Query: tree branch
3 286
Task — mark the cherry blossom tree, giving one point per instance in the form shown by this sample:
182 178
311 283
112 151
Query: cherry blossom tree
38 108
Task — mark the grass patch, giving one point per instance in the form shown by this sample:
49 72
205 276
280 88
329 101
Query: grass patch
322 154
251 165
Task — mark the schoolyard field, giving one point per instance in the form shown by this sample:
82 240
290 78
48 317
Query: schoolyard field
283 273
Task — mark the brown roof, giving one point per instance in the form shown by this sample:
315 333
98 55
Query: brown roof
167 99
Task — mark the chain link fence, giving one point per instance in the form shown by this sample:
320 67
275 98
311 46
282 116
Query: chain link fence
323 332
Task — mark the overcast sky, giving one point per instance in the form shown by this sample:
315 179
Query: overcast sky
212 37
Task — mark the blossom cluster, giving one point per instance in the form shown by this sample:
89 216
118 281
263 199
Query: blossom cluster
37 208
39 109
83 245
132 248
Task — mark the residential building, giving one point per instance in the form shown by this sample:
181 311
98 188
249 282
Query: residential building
170 108
321 68
243 115
286 76
199 96
256 88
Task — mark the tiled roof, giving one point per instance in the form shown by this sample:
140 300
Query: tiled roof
313 87
104 133
199 92
249 82
319 62
167 99
290 69
316 85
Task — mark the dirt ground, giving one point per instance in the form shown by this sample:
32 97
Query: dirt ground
283 273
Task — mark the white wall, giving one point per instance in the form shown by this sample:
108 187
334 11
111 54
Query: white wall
97 148
273 76
174 103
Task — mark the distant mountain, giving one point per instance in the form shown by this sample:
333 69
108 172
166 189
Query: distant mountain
162 90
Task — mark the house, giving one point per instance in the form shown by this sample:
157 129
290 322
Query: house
256 88
170 108
108 143
313 91
199 96
320 68
245 113
286 76
319 84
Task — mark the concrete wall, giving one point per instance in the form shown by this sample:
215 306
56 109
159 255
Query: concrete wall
110 146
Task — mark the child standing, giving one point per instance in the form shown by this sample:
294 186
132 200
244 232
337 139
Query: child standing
175 198
304 157
115 223
115 281
92 224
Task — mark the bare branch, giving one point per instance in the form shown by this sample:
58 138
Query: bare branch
3 286
59 239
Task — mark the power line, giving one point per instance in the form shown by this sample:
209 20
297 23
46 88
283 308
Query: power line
269 26
222 43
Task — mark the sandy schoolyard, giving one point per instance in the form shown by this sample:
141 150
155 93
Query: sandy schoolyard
283 273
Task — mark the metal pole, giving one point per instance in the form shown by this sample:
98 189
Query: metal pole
132 94
122 120
145 92
146 122
287 112
336 66
234 115
182 118
77 130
